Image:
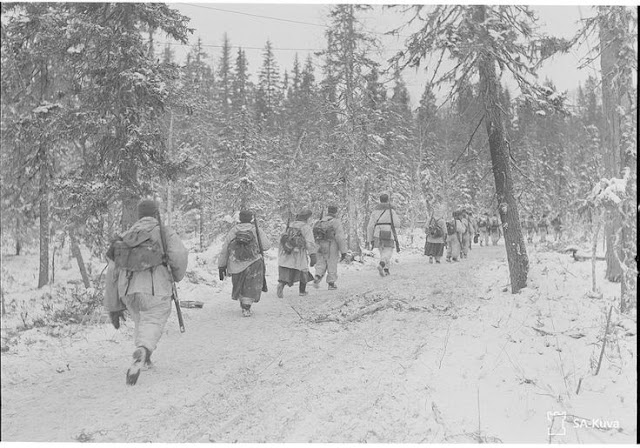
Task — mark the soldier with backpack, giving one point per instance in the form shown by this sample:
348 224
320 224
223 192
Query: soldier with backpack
436 236
241 257
467 235
494 229
144 270
543 228
297 253
483 229
530 225
455 230
332 247
381 233
556 223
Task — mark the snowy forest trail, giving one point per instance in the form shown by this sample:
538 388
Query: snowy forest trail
441 360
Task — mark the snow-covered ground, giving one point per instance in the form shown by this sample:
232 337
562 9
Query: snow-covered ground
433 353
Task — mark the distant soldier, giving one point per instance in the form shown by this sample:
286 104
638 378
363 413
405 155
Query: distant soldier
455 230
494 229
543 227
381 232
140 261
332 247
468 233
483 229
297 253
556 223
473 222
241 258
530 225
436 236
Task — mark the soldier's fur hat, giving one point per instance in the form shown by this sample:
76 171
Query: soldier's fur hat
303 214
245 216
147 207
332 210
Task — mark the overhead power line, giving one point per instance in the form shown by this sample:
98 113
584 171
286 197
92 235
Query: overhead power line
257 15
280 19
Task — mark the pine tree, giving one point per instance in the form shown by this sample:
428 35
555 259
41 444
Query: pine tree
268 94
346 64
224 76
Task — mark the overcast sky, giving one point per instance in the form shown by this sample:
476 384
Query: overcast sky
299 28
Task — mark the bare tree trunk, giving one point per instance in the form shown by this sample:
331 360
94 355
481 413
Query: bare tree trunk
43 277
612 99
593 253
352 232
202 217
367 206
4 309
614 270
169 183
18 236
507 204
77 254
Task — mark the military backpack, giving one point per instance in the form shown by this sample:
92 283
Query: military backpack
145 255
244 246
323 231
434 229
292 239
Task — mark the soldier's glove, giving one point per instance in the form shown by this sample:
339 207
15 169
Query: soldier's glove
313 259
222 272
344 255
115 318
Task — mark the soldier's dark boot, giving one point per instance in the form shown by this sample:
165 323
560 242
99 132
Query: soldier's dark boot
381 268
332 286
139 355
280 290
148 364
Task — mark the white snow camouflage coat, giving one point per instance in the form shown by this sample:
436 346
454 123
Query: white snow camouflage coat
298 259
382 216
226 259
338 245
156 281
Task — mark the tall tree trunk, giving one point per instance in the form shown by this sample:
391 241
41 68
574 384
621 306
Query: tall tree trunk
611 136
507 205
202 218
77 254
18 236
169 183
43 277
367 206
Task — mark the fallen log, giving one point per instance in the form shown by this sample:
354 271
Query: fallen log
579 256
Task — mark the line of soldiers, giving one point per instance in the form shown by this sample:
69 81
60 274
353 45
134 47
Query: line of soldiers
543 227
146 260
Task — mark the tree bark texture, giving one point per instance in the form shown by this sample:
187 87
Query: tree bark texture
43 277
614 104
77 254
507 205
